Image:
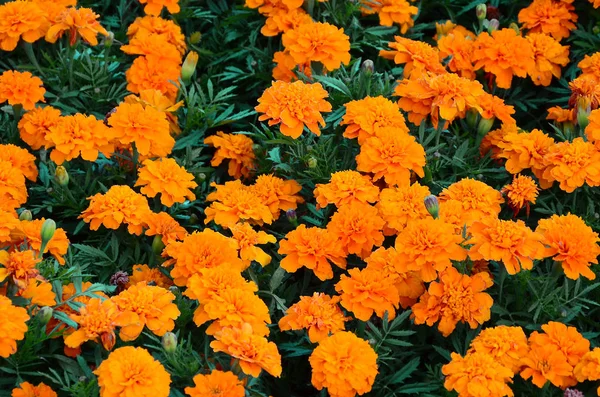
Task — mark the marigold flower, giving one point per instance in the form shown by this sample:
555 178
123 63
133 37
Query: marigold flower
504 53
455 298
477 374
120 204
293 106
595 3
585 92
521 192
549 57
588 368
13 191
132 371
418 57
151 25
573 164
493 107
163 224
573 345
236 148
277 194
491 140
344 188
149 276
53 9
27 389
36 124
145 74
561 115
156 48
70 293
448 27
506 345
233 202
38 293
13 327
318 42
165 176
478 199
215 384
357 226
283 20
21 88
397 11
20 266
344 364
253 351
29 233
572 243
8 223
511 242
555 18
284 70
592 131
20 20
21 159
210 282
458 47
590 65
546 363
248 239
312 248
154 7
78 22
366 116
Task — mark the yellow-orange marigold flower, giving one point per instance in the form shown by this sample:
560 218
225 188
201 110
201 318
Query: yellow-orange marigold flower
590 64
38 293
521 192
477 374
163 224
561 115
253 351
455 298
27 389
36 124
491 140
149 276
216 384
549 57
236 148
357 226
168 178
585 92
13 191
546 363
277 194
160 102
234 202
573 164
555 18
285 65
493 107
344 188
283 19
156 48
19 265
154 7
21 159
572 243
589 366
13 327
52 9
145 74
458 47
21 88
8 223
567 339
29 233
344 364
312 248
418 57
366 116
397 11
132 371
506 345
478 199
151 25
595 3
20 20
248 239
293 106
448 27
81 22
592 131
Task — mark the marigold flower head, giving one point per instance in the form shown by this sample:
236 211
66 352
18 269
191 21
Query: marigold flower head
293 106
120 204
344 188
21 159
152 25
267 7
145 74
160 102
13 327
234 202
555 18
455 298
312 248
567 339
344 364
285 65
418 57
397 11
573 164
588 368
29 233
132 371
549 56
366 116
585 92
163 224
561 115
478 199
448 27
506 345
167 177
504 54
38 292
210 282
277 194
595 3
490 141
357 226
590 64
282 20
20 20
8 223
156 48
521 192
592 131
546 363
70 292
27 389
477 374
20 266
236 148
13 191
253 351
81 22
572 243
154 7
318 42
511 242
53 9
149 276
21 88
216 384
458 47
493 107
248 239
36 124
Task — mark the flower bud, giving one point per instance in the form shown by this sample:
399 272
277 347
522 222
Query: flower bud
433 206
481 11
292 217
194 220
368 66
485 125
157 245
493 25
195 38
44 315
583 113
596 30
202 176
48 229
62 176
25 215
312 162
515 27
189 67
169 342
109 40
472 115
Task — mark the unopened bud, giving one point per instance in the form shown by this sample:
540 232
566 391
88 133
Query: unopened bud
583 114
109 40
62 176
515 27
48 229
44 315
481 11
432 205
25 215
189 67
312 162
157 245
202 176
484 126
169 342
194 219
292 217
596 30
493 25
472 115
195 37
368 66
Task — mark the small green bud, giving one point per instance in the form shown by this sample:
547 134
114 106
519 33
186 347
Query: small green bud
472 115
368 66
48 229
62 176
481 11
484 126
515 27
109 40
433 206
195 38
312 162
25 215
583 114
169 342
189 67
493 25
45 314
157 245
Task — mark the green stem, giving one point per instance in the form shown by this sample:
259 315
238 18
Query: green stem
309 6
32 58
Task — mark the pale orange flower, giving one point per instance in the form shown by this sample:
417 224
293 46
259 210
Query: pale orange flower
163 225
366 116
397 11
145 74
21 88
236 148
477 374
151 25
549 57
154 7
79 22
277 194
418 57
573 164
38 292
36 124
285 67
592 131
160 102
248 239
490 141
344 188
8 223
157 48
21 159
234 202
589 366
283 20
458 47
478 199
27 389
168 178
493 107
507 345
20 20
216 384
13 328
521 192
546 363
357 226
590 64
555 18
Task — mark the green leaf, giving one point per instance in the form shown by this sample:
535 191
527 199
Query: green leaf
405 371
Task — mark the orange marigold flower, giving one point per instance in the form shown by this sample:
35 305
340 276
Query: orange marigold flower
13 327
277 194
312 248
283 19
521 192
120 204
236 148
478 199
20 20
293 106
585 92
199 250
510 242
81 22
79 136
573 345
155 47
592 131
36 124
284 70
29 233
493 107
418 57
428 246
455 298
234 202
590 65
561 115
318 42
20 266
168 178
21 88
154 7
75 294
572 243
368 291
549 56
27 389
506 345
458 47
588 368
504 53
267 7
13 191
132 371
52 9
151 25
153 306
145 127
546 363
391 154
453 213
253 351
248 239
573 164
491 140
344 188
8 223
145 74
477 374
448 27
160 102
163 224
38 293
319 314
555 18
147 275
366 116
397 11
21 159
357 226
344 364
595 3
216 384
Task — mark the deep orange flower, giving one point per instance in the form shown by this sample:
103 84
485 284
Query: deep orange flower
284 70
20 266
254 352
477 374
589 366
312 248
36 124
234 202
590 65
503 54
511 242
13 191
26 389
585 92
28 234
572 243
168 178
21 88
549 56
573 345
277 194
294 106
120 204
283 20
216 384
145 74
81 22
521 192
156 48
592 131
344 188
20 20
555 18
507 345
53 9
132 371
448 27
163 224
546 363
21 159
248 239
397 11
344 364
236 148
13 327
455 298
160 102
493 107
147 275
524 150
38 293
418 57
8 223
154 7
458 47
151 25
561 115
357 226
366 116
267 7
491 140
478 199
595 3
573 164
